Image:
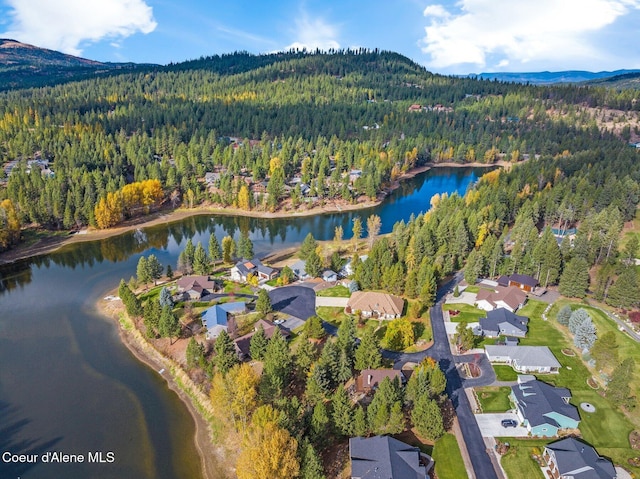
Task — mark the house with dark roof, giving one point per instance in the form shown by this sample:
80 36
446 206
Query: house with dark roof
524 359
243 343
299 270
244 268
571 458
510 298
502 322
544 409
370 379
523 281
195 287
216 318
383 457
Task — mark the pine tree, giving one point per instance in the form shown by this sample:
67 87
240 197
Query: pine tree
342 414
305 356
258 344
357 232
151 315
277 361
585 335
245 246
605 350
169 272
311 466
313 328
225 353
165 298
577 318
228 249
367 355
194 353
564 314
155 268
575 278
360 426
143 272
215 253
200 260
346 340
319 423
618 389
308 246
313 265
169 325
263 303
427 418
625 292
189 252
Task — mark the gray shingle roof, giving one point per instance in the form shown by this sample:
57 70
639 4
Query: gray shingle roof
537 399
383 457
525 357
579 460
503 321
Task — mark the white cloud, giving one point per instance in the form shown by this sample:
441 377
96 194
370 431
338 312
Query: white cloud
511 32
67 24
313 33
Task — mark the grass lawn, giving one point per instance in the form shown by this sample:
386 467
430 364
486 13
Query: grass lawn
448 459
338 291
472 289
608 428
504 372
231 287
517 462
468 313
153 293
494 399
332 315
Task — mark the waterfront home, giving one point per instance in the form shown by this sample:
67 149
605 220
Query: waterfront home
244 268
216 318
195 287
383 457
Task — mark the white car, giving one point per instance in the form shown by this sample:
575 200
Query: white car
278 321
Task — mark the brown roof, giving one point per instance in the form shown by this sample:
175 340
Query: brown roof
243 342
197 283
371 378
381 302
512 296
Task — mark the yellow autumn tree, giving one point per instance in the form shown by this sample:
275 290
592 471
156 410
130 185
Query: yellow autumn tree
274 164
244 202
9 224
268 451
109 211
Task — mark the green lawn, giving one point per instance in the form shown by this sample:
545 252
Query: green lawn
504 372
472 289
236 288
468 313
517 462
338 291
448 459
608 428
494 399
332 315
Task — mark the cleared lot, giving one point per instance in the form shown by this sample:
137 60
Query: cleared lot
490 425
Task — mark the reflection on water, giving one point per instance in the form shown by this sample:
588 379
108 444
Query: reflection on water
67 382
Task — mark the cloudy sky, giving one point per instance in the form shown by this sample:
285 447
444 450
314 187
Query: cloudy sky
446 36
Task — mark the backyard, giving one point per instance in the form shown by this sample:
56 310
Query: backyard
448 459
518 461
467 313
493 398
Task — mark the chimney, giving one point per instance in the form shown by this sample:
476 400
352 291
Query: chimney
369 378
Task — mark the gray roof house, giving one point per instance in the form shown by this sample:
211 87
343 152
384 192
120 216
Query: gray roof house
383 457
216 318
298 269
524 359
329 276
502 322
246 267
570 458
544 409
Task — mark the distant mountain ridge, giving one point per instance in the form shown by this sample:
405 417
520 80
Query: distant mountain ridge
15 54
549 78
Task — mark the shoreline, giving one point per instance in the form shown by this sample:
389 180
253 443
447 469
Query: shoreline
211 457
54 243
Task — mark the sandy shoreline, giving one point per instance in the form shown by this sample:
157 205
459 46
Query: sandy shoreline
146 353
51 244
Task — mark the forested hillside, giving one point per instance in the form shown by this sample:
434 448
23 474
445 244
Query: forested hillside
290 127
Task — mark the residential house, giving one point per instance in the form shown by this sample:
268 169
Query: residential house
243 343
195 287
415 107
375 305
570 458
216 318
523 281
370 379
502 322
244 268
347 269
383 457
298 269
354 175
210 178
329 276
544 409
511 298
524 359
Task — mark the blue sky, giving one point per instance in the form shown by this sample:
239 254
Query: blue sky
446 36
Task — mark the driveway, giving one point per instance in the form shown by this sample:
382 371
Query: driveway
333 302
465 298
292 323
296 301
490 425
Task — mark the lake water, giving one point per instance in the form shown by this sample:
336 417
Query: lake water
67 384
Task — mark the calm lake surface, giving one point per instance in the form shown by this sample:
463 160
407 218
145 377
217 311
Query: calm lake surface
67 384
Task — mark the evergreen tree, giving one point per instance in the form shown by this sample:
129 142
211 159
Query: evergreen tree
225 353
357 232
151 315
308 246
319 423
564 314
367 355
427 418
169 272
605 350
169 325
618 389
277 361
575 278
305 356
154 267
346 340
263 303
228 249
585 335
577 318
215 252
342 414
427 380
130 301
380 410
189 252
194 353
165 298
258 344
310 466
313 266
200 260
625 292
464 336
143 272
245 246
360 426
313 328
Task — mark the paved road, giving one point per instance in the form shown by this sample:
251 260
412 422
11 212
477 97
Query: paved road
623 325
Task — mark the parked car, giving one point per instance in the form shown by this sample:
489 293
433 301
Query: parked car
509 423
